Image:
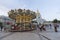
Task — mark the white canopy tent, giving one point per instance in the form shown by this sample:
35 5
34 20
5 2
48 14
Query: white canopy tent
39 18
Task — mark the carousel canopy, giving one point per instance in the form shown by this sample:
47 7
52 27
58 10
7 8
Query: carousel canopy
13 13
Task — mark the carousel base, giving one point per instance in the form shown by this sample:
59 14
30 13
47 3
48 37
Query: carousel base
21 30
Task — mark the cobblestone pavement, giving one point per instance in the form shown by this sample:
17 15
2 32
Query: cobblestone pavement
18 36
31 35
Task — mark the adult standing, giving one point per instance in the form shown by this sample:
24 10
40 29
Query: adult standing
55 27
1 27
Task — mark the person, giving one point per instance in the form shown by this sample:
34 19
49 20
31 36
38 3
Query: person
1 28
55 27
42 28
50 26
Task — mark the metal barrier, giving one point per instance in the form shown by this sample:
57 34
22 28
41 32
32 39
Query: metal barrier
40 35
45 37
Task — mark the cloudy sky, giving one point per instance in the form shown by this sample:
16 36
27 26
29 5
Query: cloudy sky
49 9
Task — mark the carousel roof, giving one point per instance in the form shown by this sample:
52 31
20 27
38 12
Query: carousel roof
13 13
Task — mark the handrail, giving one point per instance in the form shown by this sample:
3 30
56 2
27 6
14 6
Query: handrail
41 35
45 37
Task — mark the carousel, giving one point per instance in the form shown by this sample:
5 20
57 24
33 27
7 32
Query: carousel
23 19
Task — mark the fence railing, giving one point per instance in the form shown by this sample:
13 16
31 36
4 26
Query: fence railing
44 37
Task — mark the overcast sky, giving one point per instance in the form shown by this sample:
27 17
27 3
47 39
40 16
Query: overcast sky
49 9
